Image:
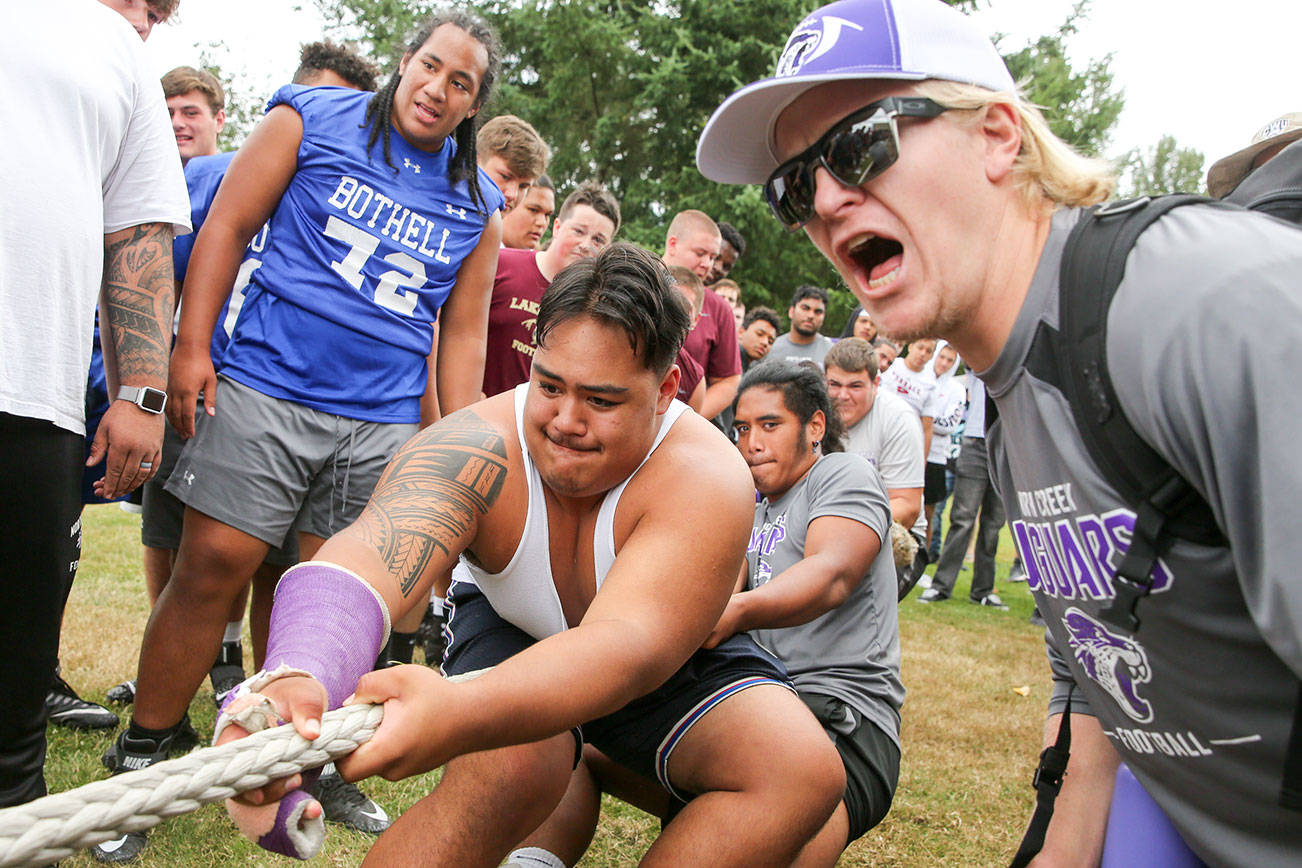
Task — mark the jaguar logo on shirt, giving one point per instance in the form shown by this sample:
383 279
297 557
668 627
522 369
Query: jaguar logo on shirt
1118 664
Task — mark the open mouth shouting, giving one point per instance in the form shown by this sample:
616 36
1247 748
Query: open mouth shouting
878 259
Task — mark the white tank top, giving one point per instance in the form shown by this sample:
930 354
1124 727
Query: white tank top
524 592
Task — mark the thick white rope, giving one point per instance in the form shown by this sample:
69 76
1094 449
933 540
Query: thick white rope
51 828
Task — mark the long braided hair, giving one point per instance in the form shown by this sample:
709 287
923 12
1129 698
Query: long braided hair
464 165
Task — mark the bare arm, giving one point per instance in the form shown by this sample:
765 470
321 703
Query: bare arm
463 323
670 582
1080 813
838 553
906 503
429 402
719 394
138 294
697 399
425 510
926 436
249 193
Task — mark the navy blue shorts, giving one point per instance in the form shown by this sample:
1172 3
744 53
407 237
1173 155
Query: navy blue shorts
642 735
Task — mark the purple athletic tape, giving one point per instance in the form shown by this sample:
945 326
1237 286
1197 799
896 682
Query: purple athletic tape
329 622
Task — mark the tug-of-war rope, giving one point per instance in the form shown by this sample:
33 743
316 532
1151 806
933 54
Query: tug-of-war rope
51 828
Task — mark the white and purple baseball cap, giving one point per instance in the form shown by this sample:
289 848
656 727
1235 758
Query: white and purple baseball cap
851 39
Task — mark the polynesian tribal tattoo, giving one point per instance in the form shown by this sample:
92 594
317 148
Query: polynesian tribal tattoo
140 293
431 492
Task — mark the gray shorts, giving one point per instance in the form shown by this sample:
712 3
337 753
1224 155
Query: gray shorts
162 514
266 466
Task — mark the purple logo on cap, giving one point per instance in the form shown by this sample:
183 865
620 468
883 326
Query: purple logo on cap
811 39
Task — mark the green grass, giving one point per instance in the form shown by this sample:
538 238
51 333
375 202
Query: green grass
970 741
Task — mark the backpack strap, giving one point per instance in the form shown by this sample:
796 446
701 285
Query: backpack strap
1047 781
1168 507
1075 360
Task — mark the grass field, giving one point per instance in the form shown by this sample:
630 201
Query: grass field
970 737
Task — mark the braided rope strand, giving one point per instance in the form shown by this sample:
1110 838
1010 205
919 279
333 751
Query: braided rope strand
57 826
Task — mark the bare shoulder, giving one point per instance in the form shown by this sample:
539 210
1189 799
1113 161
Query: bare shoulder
696 471
426 508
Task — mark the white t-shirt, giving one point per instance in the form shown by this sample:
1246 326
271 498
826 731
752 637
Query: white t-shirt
890 437
947 407
914 388
87 149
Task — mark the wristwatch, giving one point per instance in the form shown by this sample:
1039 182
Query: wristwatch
149 399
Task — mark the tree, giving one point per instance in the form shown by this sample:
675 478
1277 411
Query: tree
1164 168
1081 105
621 90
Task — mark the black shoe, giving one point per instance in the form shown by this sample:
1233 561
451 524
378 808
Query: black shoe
224 680
343 803
227 673
430 635
125 849
65 708
122 694
129 753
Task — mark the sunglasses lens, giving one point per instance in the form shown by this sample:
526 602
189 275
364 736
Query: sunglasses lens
862 151
791 195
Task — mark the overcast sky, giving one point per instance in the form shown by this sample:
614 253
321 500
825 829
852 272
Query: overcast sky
1209 73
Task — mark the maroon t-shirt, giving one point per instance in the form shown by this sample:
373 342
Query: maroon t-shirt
690 373
713 342
512 315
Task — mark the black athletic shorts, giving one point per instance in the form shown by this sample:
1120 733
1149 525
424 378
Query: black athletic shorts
870 756
642 735
934 487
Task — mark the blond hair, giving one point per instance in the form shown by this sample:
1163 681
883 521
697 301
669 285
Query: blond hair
691 220
516 142
1047 172
184 79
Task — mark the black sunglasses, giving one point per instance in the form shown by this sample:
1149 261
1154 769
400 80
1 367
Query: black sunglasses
855 150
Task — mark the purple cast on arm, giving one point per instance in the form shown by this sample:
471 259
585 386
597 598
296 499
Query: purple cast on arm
327 621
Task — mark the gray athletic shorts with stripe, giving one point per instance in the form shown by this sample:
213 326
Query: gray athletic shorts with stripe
264 465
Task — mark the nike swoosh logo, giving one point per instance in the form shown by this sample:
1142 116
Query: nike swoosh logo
377 814
113 846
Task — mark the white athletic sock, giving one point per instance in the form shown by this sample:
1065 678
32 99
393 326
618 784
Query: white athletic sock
232 634
436 604
533 857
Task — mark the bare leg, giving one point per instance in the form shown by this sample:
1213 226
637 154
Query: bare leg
265 579
484 804
569 830
826 848
158 569
185 629
308 545
768 778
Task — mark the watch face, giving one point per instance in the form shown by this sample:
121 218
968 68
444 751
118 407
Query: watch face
153 400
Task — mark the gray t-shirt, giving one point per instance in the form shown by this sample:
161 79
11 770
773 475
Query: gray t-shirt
1202 339
852 652
785 348
890 437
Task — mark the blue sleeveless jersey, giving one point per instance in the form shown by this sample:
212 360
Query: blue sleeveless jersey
339 316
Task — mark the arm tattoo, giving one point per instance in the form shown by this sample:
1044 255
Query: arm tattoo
431 493
140 296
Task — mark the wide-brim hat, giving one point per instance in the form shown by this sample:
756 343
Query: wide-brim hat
1227 172
908 40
